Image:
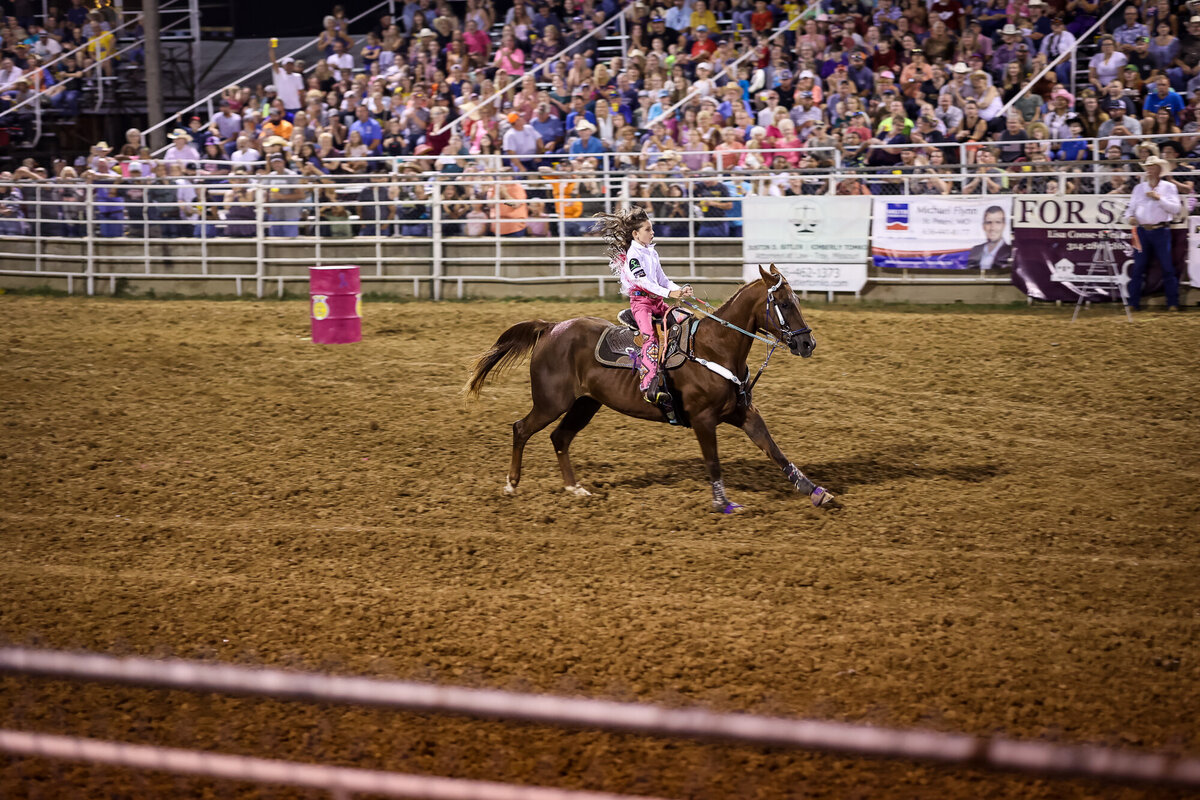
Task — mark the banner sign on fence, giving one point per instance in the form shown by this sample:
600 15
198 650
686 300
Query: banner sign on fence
820 244
1057 238
1193 250
942 232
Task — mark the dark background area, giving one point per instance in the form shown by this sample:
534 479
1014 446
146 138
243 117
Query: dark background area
255 18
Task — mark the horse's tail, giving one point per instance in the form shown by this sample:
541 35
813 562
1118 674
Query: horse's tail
510 348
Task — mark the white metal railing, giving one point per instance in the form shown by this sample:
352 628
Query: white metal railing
423 227
341 782
429 230
637 718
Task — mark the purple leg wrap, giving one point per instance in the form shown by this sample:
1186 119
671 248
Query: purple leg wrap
798 480
721 502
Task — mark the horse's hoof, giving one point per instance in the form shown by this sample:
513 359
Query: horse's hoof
509 489
821 496
729 508
577 490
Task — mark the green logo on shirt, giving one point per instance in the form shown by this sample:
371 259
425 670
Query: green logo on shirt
635 267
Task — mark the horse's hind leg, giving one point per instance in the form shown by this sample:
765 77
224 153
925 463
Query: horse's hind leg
577 418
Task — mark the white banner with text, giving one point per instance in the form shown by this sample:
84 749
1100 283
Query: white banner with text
820 244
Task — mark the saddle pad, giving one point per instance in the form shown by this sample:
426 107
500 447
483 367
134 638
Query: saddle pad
615 340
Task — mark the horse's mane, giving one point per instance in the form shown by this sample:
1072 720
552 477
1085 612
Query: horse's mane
736 295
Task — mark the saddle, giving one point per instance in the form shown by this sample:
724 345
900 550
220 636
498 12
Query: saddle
617 342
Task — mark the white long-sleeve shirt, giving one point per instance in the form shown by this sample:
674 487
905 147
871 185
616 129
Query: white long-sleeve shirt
1143 210
643 270
1057 43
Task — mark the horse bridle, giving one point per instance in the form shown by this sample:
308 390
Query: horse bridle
745 387
789 335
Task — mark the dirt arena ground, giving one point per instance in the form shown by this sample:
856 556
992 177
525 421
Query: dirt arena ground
1018 553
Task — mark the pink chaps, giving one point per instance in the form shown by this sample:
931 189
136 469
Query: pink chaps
643 308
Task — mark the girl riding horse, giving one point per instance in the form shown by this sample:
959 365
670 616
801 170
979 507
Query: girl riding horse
630 238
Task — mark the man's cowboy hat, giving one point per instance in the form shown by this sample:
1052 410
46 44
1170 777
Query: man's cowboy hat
583 125
102 145
180 133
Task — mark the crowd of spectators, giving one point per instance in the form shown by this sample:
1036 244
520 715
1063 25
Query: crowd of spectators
53 56
708 104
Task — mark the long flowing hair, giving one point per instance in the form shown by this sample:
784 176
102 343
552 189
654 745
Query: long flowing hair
617 231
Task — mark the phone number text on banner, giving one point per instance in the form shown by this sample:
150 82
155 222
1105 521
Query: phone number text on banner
942 233
819 243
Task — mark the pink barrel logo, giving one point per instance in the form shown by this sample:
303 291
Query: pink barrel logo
335 304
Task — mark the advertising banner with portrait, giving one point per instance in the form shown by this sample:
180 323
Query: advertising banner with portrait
1066 246
820 244
922 232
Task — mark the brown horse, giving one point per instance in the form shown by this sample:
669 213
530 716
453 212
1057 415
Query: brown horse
566 379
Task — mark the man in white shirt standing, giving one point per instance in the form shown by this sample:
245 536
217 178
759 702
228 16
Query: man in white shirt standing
521 139
289 83
1154 204
1059 41
341 61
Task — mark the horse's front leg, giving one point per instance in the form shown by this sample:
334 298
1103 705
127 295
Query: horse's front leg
706 434
756 429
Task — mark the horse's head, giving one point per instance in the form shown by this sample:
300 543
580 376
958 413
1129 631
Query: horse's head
784 318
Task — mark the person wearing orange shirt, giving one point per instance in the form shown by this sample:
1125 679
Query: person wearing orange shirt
511 209
730 151
567 203
915 73
277 125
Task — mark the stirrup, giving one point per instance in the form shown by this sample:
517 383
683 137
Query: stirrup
656 397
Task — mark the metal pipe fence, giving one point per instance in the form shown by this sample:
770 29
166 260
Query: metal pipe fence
341 782
263 228
983 752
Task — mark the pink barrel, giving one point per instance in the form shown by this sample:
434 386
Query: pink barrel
335 304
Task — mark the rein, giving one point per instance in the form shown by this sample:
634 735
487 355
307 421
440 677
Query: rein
774 342
709 315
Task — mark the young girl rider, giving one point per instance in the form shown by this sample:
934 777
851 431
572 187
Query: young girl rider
630 238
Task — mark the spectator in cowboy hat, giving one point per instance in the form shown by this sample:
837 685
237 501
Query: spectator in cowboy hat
587 143
1153 206
181 147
